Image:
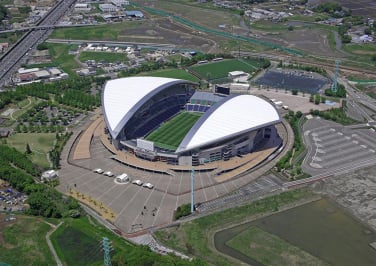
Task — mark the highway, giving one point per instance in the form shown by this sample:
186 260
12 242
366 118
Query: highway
12 59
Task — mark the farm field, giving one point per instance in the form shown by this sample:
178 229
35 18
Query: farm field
172 73
40 144
170 134
103 56
220 69
196 237
23 241
270 249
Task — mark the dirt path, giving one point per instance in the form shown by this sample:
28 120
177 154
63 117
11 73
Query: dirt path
54 227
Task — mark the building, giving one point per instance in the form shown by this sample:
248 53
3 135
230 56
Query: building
134 14
120 3
82 7
226 126
107 7
237 74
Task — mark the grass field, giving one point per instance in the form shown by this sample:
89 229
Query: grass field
40 144
220 69
77 248
62 58
170 134
269 249
23 242
108 32
99 56
172 73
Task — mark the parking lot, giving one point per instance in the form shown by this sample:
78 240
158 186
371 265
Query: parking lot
332 146
136 207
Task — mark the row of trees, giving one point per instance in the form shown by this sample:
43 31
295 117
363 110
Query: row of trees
20 172
303 67
61 140
73 90
286 161
341 92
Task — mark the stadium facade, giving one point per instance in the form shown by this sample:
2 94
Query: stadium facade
228 126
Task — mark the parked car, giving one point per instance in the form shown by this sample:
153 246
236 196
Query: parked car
98 170
108 173
137 182
148 185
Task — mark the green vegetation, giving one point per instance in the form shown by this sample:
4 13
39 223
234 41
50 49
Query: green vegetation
335 114
3 12
172 73
40 144
340 93
332 8
78 242
171 133
182 211
107 32
294 170
269 249
61 140
196 237
103 56
62 58
24 243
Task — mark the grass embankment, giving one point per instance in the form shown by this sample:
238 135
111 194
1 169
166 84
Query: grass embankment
170 134
23 242
269 249
40 144
196 237
79 242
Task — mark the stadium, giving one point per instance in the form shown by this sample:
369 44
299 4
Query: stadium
165 119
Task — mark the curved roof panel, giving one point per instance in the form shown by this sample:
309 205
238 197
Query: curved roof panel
232 116
122 97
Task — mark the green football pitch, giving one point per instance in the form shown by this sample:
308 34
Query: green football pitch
171 133
220 69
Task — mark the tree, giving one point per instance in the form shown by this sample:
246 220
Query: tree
346 38
28 150
290 28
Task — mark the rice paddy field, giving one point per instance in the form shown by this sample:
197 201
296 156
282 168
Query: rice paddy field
220 69
170 134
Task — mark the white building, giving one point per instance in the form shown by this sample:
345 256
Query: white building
49 175
107 7
120 3
82 7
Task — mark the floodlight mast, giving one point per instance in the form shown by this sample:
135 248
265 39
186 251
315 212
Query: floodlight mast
334 86
193 190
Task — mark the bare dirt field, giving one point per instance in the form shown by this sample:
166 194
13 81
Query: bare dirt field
355 191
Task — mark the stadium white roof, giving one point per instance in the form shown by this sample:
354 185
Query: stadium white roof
234 115
122 98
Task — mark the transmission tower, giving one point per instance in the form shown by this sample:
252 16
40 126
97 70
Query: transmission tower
193 190
334 84
106 249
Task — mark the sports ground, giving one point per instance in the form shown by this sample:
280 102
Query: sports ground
172 132
220 69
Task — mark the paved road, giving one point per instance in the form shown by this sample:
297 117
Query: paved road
10 61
